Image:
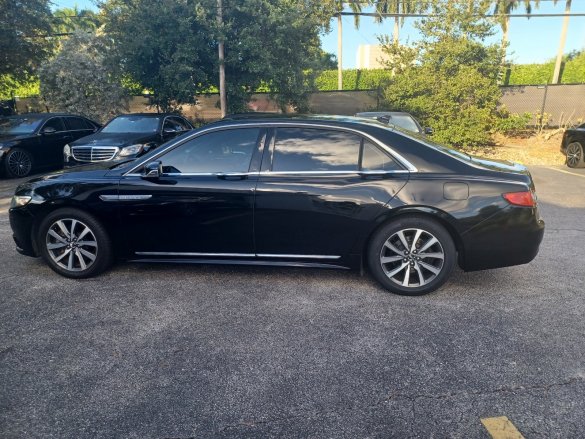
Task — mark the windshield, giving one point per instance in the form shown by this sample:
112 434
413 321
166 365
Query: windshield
132 124
19 124
405 122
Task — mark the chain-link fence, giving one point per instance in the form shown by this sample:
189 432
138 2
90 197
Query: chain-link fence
551 105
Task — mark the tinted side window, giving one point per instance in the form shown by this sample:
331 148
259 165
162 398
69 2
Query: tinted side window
374 159
220 151
308 149
180 124
77 123
55 122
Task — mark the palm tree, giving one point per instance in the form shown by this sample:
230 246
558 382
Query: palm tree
68 20
356 8
397 7
557 72
503 9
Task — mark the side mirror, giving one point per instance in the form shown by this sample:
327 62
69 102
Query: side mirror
48 130
153 169
428 131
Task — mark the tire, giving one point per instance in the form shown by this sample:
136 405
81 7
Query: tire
575 157
84 253
18 163
401 272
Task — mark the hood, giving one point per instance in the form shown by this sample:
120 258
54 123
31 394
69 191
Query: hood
84 172
5 138
115 139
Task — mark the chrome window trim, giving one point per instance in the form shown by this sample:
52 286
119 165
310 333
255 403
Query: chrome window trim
395 155
56 132
277 173
124 197
238 255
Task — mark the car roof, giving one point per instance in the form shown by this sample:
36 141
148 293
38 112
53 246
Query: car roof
148 114
43 115
333 120
382 113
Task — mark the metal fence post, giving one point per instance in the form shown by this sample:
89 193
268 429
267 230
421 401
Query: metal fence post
543 104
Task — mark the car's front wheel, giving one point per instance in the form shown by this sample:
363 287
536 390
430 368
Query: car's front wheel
575 157
411 255
74 243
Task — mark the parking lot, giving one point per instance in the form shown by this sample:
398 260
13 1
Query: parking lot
153 351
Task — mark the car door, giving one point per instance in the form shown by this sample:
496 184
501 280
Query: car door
319 191
202 203
53 136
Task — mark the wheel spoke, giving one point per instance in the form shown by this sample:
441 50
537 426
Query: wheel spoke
63 228
421 278
73 224
70 261
65 253
56 245
403 239
84 232
430 267
397 270
89 255
388 259
432 255
406 277
81 261
416 238
87 243
392 247
57 236
428 244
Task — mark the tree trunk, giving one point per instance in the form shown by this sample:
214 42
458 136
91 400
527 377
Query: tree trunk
557 72
396 32
339 53
505 39
221 55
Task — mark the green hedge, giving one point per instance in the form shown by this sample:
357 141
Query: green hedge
572 72
353 79
24 89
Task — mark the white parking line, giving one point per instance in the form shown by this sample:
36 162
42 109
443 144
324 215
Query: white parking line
566 172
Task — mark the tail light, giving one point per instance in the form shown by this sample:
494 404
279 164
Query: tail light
524 199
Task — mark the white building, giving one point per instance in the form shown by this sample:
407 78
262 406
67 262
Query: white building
370 56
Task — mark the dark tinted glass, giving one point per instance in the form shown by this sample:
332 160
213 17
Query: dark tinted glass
55 122
132 124
77 123
404 121
308 149
180 124
374 159
220 151
19 124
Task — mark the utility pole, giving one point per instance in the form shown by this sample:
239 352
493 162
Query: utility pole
339 53
557 72
222 96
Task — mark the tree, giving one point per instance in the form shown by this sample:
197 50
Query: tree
398 7
23 46
449 77
164 46
565 28
504 8
355 7
67 20
79 79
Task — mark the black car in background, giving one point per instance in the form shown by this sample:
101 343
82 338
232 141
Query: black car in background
306 191
399 118
573 146
36 141
125 136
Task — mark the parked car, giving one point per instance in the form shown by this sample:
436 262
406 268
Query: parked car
312 191
124 137
573 146
36 141
398 118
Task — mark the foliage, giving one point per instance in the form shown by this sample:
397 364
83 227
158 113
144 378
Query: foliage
24 88
572 72
512 123
449 78
67 20
79 79
22 46
353 79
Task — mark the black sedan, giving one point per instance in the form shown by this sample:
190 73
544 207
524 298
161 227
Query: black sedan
36 141
573 146
126 136
307 191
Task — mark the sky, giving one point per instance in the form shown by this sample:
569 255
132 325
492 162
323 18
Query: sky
533 40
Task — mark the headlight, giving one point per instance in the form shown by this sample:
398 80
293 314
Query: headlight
130 150
67 151
19 201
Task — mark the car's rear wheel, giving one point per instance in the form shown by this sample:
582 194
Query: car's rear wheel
18 163
74 243
411 255
575 157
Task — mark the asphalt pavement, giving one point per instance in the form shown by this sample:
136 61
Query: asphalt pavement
157 351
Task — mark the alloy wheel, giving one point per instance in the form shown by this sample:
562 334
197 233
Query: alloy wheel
71 244
574 155
19 163
412 257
